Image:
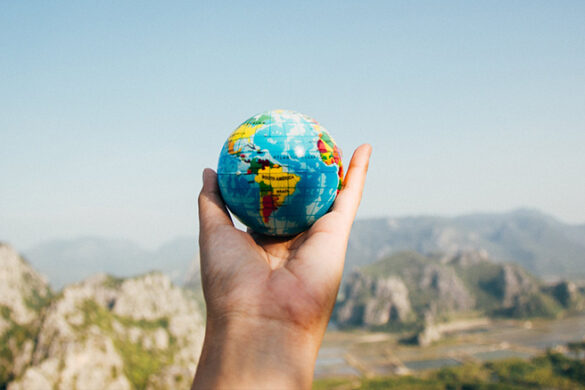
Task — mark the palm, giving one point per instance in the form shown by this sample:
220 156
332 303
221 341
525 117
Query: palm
294 279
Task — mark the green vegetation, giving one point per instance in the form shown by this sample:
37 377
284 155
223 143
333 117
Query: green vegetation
399 263
143 324
409 266
113 282
37 301
402 383
11 342
5 312
480 281
139 362
532 305
550 371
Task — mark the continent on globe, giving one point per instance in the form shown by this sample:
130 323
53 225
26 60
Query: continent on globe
275 186
279 172
330 153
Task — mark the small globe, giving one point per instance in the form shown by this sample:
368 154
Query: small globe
279 172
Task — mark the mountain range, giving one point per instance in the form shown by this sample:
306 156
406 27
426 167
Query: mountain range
538 242
68 261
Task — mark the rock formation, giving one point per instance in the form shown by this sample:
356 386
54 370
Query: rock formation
102 333
408 287
23 294
374 301
567 294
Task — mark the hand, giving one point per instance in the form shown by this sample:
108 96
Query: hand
269 299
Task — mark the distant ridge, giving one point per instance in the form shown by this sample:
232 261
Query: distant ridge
534 240
538 242
69 261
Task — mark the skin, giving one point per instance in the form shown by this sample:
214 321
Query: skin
269 299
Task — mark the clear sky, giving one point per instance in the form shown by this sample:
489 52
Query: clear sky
110 110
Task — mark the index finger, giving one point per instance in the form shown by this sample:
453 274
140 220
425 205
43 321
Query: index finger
349 197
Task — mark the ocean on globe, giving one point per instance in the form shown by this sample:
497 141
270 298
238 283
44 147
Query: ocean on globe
279 172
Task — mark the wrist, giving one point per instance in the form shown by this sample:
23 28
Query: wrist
257 353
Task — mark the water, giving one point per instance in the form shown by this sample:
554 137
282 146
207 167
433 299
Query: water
347 354
501 354
420 365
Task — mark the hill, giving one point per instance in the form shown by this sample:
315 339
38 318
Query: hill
409 290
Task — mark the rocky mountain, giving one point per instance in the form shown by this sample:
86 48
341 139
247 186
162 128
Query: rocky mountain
102 333
69 261
537 242
406 288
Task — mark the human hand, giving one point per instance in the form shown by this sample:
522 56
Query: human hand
269 299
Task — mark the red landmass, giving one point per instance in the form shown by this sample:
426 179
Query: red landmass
268 207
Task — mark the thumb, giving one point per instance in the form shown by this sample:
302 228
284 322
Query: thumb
212 210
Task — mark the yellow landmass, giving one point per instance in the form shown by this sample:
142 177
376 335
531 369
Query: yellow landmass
242 133
282 184
327 158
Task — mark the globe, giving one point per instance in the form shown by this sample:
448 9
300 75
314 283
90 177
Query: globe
279 172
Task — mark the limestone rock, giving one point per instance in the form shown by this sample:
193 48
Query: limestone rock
430 332
512 283
567 294
402 288
374 301
23 295
21 288
108 333
451 293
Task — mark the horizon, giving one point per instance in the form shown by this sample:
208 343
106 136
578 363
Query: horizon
151 247
110 112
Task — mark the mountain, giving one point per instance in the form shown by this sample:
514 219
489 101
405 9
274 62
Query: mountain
101 333
407 288
69 261
536 241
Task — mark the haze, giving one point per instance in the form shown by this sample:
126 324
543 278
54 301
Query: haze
109 112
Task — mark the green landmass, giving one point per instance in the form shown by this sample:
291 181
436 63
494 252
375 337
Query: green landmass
139 363
552 370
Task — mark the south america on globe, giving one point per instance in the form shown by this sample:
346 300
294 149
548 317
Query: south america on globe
279 172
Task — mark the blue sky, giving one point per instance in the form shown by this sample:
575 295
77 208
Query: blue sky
109 111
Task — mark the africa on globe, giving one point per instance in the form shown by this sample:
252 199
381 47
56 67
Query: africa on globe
279 172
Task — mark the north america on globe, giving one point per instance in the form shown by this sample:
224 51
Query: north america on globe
279 172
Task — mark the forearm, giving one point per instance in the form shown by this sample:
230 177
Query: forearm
256 354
